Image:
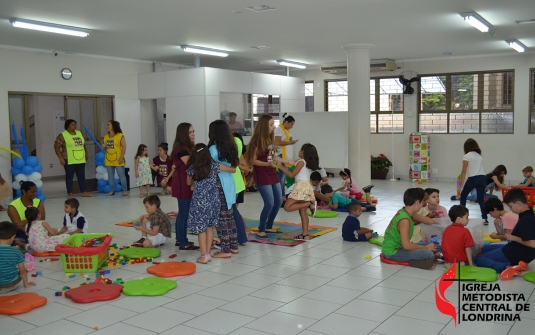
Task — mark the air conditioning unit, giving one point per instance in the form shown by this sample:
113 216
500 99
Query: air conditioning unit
376 65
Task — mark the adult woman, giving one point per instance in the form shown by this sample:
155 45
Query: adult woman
284 142
260 153
115 145
224 151
71 151
17 208
182 146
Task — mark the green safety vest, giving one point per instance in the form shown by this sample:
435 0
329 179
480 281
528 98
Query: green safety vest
21 208
75 147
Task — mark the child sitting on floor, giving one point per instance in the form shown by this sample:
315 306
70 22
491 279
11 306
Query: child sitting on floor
42 237
155 226
457 241
504 221
433 204
351 230
12 270
74 222
336 200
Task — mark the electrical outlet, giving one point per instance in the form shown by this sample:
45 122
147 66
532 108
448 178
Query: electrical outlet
434 170
51 166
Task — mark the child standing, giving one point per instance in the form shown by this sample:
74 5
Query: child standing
302 195
143 174
433 204
352 187
74 222
12 270
473 169
351 230
504 221
163 165
42 237
203 216
336 200
155 226
457 241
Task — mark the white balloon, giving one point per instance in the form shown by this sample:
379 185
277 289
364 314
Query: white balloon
16 185
105 176
19 178
98 176
101 169
35 176
39 183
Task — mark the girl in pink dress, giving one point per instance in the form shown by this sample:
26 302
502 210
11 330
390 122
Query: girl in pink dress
42 237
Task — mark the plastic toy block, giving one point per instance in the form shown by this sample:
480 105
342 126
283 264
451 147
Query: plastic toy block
41 261
172 256
34 275
65 288
156 263
72 276
106 272
58 294
39 273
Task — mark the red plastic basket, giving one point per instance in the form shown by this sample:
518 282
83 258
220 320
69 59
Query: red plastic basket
528 191
76 259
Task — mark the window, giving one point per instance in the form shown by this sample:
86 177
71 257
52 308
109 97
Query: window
532 101
386 103
480 102
309 96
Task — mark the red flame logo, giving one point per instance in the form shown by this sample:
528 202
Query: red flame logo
443 304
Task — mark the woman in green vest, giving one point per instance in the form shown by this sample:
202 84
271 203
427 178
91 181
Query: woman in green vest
115 145
17 208
397 245
72 154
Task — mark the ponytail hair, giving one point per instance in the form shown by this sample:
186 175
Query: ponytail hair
286 117
347 172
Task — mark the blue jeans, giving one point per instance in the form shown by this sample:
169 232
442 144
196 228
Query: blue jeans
111 175
479 183
272 196
70 170
403 255
240 228
182 222
492 257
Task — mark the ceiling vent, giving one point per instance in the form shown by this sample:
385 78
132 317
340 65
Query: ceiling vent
376 65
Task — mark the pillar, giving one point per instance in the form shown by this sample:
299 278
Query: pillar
358 92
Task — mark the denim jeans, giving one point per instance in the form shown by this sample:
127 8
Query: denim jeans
479 183
240 228
272 196
403 255
120 174
181 226
79 170
492 257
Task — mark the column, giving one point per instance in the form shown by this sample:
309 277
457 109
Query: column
358 91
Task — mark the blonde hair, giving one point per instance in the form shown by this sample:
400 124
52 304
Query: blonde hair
262 138
527 169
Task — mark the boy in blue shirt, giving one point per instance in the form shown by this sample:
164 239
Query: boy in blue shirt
351 230
339 201
12 270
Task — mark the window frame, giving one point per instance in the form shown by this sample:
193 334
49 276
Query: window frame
480 101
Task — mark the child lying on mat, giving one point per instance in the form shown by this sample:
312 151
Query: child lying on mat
351 230
457 241
336 200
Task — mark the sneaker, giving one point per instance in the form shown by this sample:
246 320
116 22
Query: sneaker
486 223
509 273
367 189
522 266
370 208
140 241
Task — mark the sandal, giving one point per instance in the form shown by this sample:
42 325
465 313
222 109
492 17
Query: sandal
70 196
302 237
272 231
110 194
141 196
190 247
261 236
202 259
125 194
87 194
234 252
217 255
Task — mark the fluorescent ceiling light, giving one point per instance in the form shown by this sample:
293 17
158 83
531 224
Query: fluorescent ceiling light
477 22
204 51
50 27
291 64
515 44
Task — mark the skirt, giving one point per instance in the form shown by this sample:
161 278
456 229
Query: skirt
303 191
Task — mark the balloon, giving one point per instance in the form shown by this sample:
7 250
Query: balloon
39 183
117 188
15 171
98 176
16 185
101 169
102 183
18 163
99 163
38 168
16 154
35 176
99 156
20 177
39 192
19 193
105 176
106 189
27 170
42 198
32 161
100 189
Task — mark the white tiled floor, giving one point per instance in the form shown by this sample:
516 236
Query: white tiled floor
324 286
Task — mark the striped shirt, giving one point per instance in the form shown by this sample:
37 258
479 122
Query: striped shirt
10 258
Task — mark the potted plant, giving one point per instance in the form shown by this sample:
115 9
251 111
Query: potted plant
379 166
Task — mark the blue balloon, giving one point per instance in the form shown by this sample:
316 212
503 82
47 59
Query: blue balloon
107 189
15 171
117 188
32 161
42 198
99 163
99 156
27 170
19 163
39 192
100 189
19 193
102 182
38 168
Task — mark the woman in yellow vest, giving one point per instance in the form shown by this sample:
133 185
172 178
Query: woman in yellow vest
17 208
72 154
115 145
284 142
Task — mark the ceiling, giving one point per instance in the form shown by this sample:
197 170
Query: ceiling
308 31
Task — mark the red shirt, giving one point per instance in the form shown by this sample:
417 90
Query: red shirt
179 186
455 239
265 175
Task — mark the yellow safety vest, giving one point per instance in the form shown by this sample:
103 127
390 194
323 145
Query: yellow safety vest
75 147
113 150
21 208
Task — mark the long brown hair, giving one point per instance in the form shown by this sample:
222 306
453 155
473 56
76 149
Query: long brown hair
200 161
140 150
182 137
220 136
116 126
471 145
262 138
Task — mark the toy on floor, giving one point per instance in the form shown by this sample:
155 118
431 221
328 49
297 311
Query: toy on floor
148 286
29 262
139 252
475 273
172 269
367 256
323 213
46 254
94 292
93 242
487 238
529 276
377 240
389 261
20 303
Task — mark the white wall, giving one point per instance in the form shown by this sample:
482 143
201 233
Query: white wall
149 126
234 102
446 149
